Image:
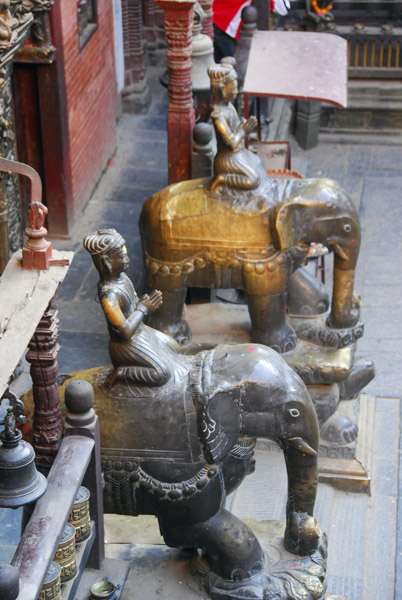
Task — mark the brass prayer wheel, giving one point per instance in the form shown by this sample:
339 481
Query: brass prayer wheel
79 516
51 588
65 554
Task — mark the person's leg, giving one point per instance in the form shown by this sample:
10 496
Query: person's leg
224 45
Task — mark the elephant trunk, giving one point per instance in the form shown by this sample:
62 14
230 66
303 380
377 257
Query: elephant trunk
344 311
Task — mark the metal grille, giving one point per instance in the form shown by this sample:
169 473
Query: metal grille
373 51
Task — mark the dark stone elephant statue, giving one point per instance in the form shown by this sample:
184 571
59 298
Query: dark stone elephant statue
177 450
178 432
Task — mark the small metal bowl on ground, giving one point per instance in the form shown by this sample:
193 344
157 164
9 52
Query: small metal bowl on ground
103 589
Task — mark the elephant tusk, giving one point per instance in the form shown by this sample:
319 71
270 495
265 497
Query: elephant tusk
299 444
339 250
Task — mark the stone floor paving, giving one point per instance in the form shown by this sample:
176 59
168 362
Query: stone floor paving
365 532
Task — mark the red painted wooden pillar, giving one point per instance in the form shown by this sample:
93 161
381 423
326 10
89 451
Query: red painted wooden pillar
207 28
181 115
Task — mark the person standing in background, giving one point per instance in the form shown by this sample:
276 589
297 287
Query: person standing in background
227 22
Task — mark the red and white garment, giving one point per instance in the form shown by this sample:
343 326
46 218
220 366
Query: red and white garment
227 13
280 6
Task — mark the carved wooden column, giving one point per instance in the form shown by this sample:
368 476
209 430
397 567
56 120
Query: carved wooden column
42 354
136 93
181 116
207 27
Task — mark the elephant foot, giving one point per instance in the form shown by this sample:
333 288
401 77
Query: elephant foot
317 332
325 399
302 534
339 429
283 339
179 330
360 375
304 576
345 320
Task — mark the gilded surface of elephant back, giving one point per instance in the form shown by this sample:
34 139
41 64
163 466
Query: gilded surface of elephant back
188 215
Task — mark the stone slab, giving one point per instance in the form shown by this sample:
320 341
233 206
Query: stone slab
387 159
153 154
153 180
113 570
158 571
81 350
221 323
124 193
86 315
388 365
122 529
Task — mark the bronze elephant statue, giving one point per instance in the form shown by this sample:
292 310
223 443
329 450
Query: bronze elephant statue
176 451
194 236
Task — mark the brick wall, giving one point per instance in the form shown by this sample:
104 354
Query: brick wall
90 89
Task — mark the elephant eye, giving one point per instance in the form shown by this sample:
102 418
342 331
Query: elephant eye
294 412
347 227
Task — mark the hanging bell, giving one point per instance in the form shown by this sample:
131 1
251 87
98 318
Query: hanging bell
20 482
202 53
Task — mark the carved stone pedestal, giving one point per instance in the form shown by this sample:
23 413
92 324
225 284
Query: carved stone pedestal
168 572
284 577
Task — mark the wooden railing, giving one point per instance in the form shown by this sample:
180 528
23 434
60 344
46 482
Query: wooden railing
78 460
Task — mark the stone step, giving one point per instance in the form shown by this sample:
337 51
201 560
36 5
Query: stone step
384 137
357 119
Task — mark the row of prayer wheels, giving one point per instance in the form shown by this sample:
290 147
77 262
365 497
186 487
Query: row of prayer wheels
64 566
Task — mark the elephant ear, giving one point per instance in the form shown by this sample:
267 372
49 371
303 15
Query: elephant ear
291 224
220 426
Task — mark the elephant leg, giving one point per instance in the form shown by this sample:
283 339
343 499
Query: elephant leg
307 296
325 399
231 548
269 324
300 440
335 427
293 423
302 530
169 317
